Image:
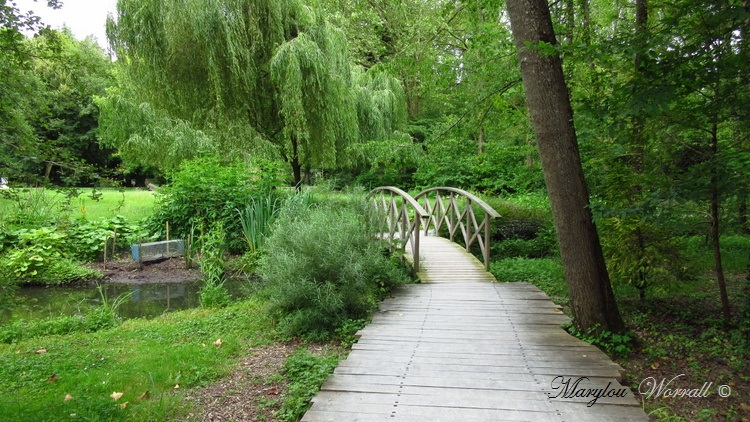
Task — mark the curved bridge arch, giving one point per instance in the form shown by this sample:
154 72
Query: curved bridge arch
445 209
401 217
454 209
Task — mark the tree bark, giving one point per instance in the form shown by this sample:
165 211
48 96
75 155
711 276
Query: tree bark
742 211
591 298
715 218
296 165
638 141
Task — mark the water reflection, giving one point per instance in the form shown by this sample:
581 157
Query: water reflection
145 301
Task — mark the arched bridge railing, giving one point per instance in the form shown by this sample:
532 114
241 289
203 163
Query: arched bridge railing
454 209
445 210
401 217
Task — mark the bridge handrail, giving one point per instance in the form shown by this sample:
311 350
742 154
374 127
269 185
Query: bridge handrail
455 218
397 216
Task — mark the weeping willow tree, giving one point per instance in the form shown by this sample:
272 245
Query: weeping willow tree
234 77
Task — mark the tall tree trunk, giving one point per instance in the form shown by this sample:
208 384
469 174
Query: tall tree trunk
591 298
715 218
480 139
745 51
586 23
638 137
296 165
570 20
47 170
742 210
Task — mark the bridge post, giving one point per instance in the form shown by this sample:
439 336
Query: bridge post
397 217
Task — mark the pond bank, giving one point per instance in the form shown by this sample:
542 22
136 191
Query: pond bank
126 270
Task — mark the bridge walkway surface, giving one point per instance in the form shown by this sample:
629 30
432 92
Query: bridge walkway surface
462 347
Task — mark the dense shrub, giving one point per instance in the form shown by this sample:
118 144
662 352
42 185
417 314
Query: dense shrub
324 267
86 238
41 256
644 254
501 168
207 190
212 263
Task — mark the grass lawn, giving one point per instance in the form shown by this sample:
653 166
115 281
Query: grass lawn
137 371
134 204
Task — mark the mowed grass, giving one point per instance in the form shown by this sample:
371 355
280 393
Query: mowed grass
136 371
133 204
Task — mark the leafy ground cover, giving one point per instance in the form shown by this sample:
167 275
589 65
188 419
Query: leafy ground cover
678 333
681 336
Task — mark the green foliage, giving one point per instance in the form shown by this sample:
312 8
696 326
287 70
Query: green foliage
347 332
102 317
539 247
49 254
212 262
306 372
52 133
618 345
208 190
657 258
325 267
389 162
34 207
545 273
41 256
270 77
86 239
164 357
257 218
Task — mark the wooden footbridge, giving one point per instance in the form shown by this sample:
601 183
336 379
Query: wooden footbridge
460 346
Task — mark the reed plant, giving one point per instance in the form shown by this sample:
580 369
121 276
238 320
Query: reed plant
257 219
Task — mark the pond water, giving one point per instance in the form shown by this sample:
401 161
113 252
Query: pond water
145 301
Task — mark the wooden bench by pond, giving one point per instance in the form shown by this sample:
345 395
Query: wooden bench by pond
154 251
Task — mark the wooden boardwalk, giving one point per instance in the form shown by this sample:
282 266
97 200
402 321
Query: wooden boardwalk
460 348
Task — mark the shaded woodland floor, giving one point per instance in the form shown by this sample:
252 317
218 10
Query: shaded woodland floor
686 335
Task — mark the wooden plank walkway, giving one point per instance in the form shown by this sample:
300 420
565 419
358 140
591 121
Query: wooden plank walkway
460 348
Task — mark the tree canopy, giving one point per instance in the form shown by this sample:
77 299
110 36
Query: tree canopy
242 76
48 120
